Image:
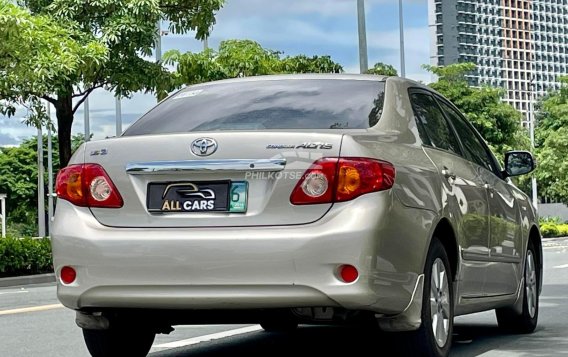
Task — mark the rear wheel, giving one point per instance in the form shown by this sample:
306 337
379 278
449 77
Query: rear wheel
526 321
434 336
117 342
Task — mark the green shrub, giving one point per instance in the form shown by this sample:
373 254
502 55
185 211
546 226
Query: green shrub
25 256
549 230
562 230
550 220
18 229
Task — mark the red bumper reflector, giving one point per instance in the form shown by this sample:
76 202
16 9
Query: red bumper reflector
68 275
348 273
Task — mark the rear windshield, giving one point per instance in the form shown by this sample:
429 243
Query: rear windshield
267 104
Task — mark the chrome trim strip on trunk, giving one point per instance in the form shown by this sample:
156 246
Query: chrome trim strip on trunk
169 167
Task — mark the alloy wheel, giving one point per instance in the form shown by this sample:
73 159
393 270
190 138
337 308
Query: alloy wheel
439 302
531 284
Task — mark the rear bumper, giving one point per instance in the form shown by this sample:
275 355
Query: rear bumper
245 268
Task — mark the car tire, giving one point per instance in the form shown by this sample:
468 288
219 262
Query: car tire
119 342
526 321
434 336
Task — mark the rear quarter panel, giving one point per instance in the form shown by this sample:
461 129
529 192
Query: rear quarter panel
418 186
402 241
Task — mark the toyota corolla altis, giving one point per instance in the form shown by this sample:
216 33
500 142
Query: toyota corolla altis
287 200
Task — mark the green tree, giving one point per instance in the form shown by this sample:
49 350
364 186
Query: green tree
382 69
305 64
62 50
246 58
37 57
552 173
552 144
552 112
18 179
236 58
498 122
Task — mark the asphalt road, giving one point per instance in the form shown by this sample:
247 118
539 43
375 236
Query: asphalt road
32 323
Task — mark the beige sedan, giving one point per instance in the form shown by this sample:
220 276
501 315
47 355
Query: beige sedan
287 200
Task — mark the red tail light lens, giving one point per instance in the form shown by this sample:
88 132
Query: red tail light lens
342 179
87 185
320 176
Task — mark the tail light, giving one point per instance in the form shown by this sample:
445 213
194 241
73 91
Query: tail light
87 185
342 179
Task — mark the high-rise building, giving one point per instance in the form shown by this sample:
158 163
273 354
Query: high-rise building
519 45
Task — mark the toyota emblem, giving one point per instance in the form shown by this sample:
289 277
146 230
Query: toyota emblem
203 146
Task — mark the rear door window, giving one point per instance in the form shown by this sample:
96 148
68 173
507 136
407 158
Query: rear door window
475 150
433 127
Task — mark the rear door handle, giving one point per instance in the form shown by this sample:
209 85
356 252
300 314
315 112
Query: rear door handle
448 174
489 189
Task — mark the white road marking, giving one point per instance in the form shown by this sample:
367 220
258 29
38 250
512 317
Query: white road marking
554 244
31 309
561 266
494 353
205 338
13 292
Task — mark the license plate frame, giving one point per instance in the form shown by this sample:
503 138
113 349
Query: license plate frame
197 197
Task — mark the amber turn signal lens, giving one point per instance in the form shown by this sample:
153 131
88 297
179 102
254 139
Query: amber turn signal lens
349 180
74 186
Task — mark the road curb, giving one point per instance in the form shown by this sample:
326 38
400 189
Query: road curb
27 280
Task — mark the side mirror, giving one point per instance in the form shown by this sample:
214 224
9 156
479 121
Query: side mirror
518 163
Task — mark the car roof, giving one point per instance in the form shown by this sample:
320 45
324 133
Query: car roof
302 76
315 76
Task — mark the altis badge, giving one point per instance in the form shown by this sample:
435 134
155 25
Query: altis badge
306 145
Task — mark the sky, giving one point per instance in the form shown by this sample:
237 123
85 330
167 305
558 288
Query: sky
310 27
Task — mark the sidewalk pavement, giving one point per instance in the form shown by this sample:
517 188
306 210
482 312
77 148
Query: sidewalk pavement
27 280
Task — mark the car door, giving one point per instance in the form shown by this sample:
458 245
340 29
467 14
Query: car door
504 222
463 196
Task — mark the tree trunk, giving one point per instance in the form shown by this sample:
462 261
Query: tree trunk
64 113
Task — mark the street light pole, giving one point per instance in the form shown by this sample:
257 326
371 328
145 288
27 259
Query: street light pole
158 50
159 43
49 172
87 119
363 57
3 215
118 107
40 190
532 123
401 26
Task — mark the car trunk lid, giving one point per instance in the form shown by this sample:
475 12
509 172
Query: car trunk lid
157 175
